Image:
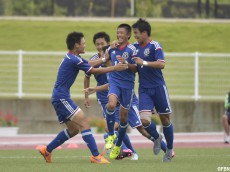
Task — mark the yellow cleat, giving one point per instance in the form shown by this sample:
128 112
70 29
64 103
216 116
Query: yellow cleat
115 152
99 159
45 154
109 141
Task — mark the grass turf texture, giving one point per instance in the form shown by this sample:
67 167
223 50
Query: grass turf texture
174 36
187 159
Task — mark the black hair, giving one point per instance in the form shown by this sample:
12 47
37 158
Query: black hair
127 27
72 38
101 35
142 25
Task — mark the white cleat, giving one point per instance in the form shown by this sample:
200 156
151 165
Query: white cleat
168 155
226 139
134 157
157 145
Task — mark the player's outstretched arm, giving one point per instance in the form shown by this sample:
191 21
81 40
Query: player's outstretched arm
96 62
132 67
156 64
92 90
118 67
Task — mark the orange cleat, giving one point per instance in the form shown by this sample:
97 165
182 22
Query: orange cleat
173 154
99 159
45 154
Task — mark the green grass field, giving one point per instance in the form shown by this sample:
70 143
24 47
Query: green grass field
174 36
187 159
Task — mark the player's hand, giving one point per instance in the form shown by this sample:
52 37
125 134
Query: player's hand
87 103
138 60
120 67
106 55
114 44
89 91
120 59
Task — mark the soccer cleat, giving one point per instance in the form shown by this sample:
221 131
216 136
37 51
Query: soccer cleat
168 155
109 141
226 139
115 152
99 159
123 154
45 154
134 157
157 145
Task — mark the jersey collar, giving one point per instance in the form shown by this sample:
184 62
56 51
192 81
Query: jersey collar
122 48
146 44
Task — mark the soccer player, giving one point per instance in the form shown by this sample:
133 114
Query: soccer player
226 119
121 88
67 111
152 88
101 40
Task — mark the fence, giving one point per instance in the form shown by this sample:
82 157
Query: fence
189 76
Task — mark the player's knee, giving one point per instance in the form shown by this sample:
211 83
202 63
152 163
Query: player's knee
145 122
145 118
111 106
165 120
72 132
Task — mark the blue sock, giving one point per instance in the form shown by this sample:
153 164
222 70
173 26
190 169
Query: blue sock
151 129
110 120
127 143
58 140
121 132
90 141
168 132
105 136
163 145
123 146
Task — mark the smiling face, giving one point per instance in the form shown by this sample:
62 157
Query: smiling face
122 36
141 37
100 43
80 48
138 35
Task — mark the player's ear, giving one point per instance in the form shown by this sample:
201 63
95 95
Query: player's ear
76 45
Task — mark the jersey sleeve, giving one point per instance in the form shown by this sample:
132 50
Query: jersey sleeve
159 54
83 64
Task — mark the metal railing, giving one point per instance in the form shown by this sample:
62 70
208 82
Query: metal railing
196 76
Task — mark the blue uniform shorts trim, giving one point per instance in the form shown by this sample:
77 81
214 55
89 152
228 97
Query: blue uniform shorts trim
124 95
65 109
150 98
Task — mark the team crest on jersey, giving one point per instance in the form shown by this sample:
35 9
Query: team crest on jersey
146 52
125 55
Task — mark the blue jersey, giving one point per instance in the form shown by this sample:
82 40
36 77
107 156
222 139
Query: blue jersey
125 78
67 73
101 80
150 77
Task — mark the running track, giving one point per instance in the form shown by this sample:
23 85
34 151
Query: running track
181 140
